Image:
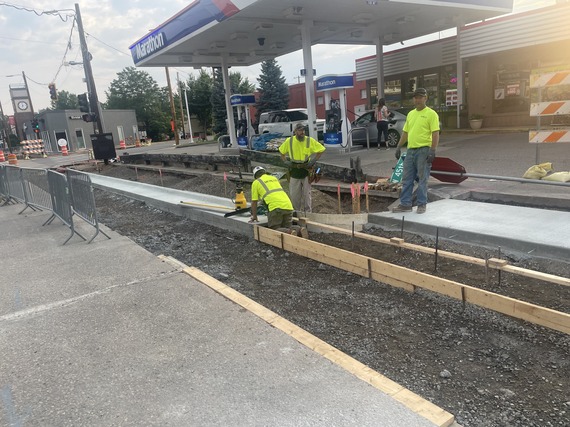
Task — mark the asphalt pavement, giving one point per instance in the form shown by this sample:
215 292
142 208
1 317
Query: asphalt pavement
107 334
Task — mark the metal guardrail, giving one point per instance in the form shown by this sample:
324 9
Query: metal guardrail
83 200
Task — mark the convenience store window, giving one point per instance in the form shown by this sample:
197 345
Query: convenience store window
511 89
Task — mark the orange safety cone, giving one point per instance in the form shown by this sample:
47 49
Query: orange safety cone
64 150
12 159
2 158
137 143
122 144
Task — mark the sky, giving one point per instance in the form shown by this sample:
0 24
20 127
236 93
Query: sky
40 46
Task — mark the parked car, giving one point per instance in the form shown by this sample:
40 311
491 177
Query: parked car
284 121
368 121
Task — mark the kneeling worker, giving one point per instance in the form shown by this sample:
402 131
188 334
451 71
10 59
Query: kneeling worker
279 207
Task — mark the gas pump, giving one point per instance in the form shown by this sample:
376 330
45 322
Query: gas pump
244 129
336 126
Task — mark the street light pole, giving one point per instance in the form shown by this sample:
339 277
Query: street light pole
93 99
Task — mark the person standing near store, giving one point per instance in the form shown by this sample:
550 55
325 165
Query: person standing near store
300 153
382 119
421 133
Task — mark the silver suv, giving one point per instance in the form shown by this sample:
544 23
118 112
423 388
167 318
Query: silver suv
284 121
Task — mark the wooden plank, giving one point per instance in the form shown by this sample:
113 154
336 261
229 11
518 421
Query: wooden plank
519 309
397 241
340 258
378 273
536 275
497 263
271 237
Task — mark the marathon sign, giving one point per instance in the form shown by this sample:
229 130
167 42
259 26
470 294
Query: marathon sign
242 99
333 82
148 46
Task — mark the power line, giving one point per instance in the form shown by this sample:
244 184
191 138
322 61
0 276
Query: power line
108 45
63 17
66 50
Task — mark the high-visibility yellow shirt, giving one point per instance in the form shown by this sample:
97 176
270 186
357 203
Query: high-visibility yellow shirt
300 151
419 126
268 189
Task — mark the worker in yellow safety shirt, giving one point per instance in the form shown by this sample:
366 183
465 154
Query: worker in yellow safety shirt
267 189
300 153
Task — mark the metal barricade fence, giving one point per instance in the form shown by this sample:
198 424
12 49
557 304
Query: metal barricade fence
60 201
3 184
15 184
83 199
36 188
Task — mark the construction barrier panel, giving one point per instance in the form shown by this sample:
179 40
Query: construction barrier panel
15 184
36 189
3 184
33 146
83 200
41 189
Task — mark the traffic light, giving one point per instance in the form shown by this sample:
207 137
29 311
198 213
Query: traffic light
35 126
89 117
83 102
52 91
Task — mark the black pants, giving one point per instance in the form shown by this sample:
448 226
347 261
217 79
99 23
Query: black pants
382 127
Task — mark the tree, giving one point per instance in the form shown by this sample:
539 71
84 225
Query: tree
65 101
199 96
137 90
273 90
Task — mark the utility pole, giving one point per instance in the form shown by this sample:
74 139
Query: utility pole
28 91
172 110
181 108
91 90
189 118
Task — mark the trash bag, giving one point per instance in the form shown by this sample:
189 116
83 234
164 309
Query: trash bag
558 177
535 172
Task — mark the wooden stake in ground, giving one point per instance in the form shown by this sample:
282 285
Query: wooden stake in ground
358 198
352 193
225 184
366 193
338 193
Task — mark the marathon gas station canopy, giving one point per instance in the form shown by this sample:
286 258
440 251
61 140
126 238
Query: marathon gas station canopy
225 33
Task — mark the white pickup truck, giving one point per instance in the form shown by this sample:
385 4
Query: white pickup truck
284 121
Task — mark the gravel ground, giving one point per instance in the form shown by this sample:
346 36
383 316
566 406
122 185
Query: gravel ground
485 368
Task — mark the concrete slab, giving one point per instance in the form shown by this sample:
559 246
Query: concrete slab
108 334
544 233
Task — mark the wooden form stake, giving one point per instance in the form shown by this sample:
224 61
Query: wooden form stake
338 194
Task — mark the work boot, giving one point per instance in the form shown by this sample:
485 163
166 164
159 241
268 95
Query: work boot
304 233
402 208
421 209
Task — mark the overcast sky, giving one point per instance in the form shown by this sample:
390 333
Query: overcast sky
38 45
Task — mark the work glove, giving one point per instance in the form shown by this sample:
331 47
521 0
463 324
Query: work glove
431 156
398 153
312 162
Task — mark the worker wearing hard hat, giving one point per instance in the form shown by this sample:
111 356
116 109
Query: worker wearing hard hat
267 189
300 153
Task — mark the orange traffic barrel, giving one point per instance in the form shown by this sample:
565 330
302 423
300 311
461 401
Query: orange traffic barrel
12 159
